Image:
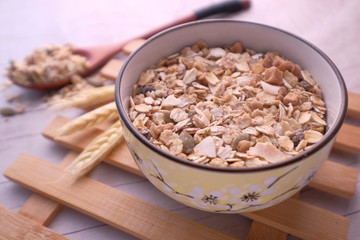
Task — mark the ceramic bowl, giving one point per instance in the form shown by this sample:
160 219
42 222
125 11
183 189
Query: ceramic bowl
221 189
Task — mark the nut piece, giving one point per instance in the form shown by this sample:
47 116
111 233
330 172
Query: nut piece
243 146
292 98
284 65
273 76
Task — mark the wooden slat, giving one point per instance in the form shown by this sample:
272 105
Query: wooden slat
303 220
148 221
111 69
107 204
348 139
340 184
354 105
133 45
260 231
336 179
41 209
14 226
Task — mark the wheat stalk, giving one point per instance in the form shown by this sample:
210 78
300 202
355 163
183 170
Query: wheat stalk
87 98
107 112
96 151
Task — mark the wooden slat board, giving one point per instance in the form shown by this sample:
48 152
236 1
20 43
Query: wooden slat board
348 139
107 204
303 220
41 209
260 231
342 180
354 105
133 45
147 221
15 227
111 69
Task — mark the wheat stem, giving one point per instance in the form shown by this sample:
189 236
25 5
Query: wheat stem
97 150
104 113
87 98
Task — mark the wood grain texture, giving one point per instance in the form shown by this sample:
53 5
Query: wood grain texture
132 46
343 179
354 105
336 179
111 69
260 231
109 205
303 220
14 226
348 139
148 221
41 209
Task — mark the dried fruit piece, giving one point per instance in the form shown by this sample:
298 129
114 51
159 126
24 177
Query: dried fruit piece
273 76
292 98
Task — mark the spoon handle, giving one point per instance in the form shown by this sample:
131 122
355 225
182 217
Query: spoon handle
223 7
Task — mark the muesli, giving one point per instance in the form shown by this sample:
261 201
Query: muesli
228 106
48 64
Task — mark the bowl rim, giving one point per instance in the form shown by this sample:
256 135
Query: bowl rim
330 134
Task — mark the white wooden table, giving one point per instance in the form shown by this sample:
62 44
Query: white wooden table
24 25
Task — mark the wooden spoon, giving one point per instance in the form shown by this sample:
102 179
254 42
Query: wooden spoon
99 55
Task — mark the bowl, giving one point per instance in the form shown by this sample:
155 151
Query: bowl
224 189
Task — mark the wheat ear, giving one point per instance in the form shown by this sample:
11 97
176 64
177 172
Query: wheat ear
87 98
96 151
104 113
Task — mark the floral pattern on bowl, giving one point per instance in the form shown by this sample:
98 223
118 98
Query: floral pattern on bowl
229 199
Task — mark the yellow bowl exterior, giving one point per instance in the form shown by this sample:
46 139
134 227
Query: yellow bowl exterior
224 192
